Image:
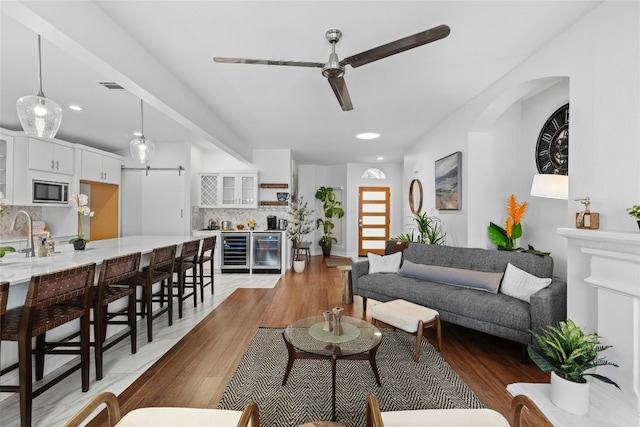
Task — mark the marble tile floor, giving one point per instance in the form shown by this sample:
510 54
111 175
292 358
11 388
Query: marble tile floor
55 406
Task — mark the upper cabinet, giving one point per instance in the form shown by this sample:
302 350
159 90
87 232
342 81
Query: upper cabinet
6 167
100 168
229 190
239 190
50 156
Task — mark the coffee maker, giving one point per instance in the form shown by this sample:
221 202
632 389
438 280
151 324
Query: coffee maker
272 222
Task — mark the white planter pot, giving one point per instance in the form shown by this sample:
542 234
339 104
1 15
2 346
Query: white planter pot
569 396
298 266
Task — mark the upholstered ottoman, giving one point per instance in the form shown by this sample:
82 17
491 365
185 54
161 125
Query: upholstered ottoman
409 317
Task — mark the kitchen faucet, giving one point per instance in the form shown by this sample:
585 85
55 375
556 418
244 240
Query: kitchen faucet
28 251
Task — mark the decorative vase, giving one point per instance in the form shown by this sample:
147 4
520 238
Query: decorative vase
639 223
328 317
570 396
79 245
298 266
337 316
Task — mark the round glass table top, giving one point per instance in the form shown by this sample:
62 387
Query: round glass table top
358 336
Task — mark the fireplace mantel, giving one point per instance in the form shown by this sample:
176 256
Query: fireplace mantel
603 295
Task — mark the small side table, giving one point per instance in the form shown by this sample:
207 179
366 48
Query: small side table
347 293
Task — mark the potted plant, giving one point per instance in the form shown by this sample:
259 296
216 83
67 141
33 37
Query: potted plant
330 208
567 352
634 211
429 228
506 238
298 227
81 203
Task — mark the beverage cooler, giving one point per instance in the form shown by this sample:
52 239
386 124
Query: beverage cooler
266 253
235 253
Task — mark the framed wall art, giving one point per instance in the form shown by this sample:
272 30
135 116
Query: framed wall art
448 182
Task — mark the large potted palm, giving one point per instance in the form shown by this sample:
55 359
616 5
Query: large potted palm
568 353
331 207
299 226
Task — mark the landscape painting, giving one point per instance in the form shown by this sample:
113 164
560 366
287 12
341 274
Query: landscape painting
448 182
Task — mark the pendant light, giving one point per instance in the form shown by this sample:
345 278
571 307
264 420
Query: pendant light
141 148
39 116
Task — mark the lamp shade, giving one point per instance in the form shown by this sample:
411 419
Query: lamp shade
39 116
551 186
141 150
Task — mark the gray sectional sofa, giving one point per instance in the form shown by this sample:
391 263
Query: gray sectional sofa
493 313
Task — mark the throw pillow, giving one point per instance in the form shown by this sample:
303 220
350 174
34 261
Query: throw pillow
487 281
384 264
520 284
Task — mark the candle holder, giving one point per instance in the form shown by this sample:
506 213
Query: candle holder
337 315
328 317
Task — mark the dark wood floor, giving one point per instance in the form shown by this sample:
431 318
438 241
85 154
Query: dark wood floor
195 371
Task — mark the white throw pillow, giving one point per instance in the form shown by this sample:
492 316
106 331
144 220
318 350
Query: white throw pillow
520 284
384 264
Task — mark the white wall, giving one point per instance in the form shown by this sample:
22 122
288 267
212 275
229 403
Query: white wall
604 81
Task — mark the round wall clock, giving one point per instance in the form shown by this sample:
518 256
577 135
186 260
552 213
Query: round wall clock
552 148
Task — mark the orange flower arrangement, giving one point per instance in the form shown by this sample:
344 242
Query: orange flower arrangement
505 237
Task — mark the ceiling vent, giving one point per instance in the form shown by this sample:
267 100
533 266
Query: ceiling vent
111 85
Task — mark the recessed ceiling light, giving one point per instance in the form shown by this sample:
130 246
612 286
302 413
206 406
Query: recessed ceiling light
75 107
368 135
137 134
380 158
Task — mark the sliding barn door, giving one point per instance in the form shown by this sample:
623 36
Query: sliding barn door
373 219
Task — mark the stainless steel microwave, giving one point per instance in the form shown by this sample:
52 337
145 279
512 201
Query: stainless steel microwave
50 192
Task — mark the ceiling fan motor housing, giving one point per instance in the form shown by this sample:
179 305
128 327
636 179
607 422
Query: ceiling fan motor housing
333 68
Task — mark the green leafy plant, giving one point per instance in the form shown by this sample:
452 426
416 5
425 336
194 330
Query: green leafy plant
429 229
634 211
299 222
5 249
331 207
569 352
406 237
505 238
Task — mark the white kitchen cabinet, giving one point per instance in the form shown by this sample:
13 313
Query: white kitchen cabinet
49 156
209 190
238 190
100 168
6 167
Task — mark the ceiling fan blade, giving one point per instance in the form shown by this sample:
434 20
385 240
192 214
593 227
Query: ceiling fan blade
268 62
424 37
339 87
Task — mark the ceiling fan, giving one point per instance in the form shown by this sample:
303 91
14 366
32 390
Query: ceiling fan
334 69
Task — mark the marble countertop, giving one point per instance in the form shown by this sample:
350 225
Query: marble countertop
16 269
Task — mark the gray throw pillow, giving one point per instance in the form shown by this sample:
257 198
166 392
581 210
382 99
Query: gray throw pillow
487 281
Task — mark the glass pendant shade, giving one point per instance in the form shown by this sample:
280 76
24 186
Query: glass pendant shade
39 116
141 150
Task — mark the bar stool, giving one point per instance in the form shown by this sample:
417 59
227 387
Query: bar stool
184 263
117 280
207 250
159 270
4 297
298 248
52 300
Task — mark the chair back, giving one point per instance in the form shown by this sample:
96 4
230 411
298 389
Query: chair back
190 250
208 244
120 270
71 286
161 264
4 297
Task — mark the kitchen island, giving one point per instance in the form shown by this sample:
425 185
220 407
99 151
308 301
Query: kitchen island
16 269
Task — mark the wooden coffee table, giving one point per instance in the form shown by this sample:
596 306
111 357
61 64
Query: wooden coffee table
305 339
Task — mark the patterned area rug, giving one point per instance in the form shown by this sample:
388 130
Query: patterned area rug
429 384
336 261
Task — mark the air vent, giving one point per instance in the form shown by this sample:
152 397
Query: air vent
111 85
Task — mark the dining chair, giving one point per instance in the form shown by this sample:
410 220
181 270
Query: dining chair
159 270
166 416
117 280
454 417
52 300
185 263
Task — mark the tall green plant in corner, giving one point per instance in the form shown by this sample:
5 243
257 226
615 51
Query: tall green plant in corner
331 207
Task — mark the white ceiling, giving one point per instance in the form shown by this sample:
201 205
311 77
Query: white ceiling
161 51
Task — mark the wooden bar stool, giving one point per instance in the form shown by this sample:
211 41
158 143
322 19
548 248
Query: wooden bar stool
159 270
207 251
52 300
118 279
184 263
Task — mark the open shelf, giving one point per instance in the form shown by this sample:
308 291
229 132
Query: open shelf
273 203
264 185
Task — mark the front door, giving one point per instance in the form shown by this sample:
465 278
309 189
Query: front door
373 220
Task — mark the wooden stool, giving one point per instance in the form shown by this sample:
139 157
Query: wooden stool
300 248
409 317
207 251
184 263
347 292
